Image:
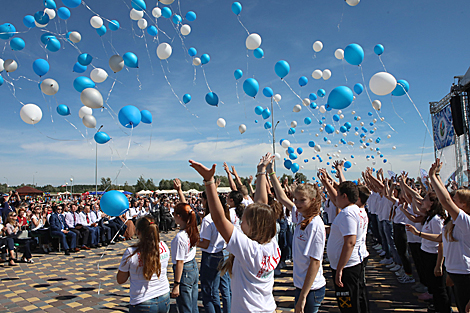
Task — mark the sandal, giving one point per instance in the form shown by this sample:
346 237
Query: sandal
12 263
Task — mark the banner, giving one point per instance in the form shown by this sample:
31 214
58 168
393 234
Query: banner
443 128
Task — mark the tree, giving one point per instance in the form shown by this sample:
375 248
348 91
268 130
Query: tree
289 178
150 185
140 185
105 183
165 184
300 177
223 180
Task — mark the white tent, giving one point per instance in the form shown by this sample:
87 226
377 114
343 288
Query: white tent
191 191
145 192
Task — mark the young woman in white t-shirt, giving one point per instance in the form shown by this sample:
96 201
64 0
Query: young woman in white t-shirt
183 255
255 253
235 201
145 263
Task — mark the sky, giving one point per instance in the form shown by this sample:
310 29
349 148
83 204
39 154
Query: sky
423 44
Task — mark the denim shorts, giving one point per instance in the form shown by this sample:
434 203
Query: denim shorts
160 304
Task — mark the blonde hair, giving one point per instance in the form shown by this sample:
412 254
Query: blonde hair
464 198
313 193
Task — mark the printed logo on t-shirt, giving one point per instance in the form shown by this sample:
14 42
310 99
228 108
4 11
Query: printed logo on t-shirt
302 236
268 264
164 253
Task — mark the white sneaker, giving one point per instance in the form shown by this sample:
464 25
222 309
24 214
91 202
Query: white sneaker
393 264
395 268
400 272
405 279
382 253
386 261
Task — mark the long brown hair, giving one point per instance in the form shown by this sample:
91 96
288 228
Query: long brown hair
436 209
188 215
313 193
261 219
148 246
464 197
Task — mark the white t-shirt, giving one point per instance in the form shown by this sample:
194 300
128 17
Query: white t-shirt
209 232
296 216
410 237
385 209
234 219
248 201
253 273
400 217
348 222
330 209
363 245
181 249
434 226
309 243
372 202
141 289
457 253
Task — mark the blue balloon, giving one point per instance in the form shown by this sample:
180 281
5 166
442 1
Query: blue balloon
369 113
311 143
102 30
7 31
53 45
300 150
205 58
101 138
291 131
266 113
63 13
176 19
328 107
295 168
166 12
379 49
46 37
17 44
303 81
146 117
28 21
114 25
258 53
312 96
282 68
307 120
238 74
50 4
348 125
1 80
354 54
41 17
343 129
130 60
85 59
82 82
321 93
236 8
152 31
385 160
292 156
256 121
251 87
186 98
114 203
287 164
192 52
78 68
63 110
40 67
401 88
358 88
71 3
336 117
190 16
340 98
347 164
329 129
212 99
268 92
290 150
139 5
259 110
267 125
129 116
306 161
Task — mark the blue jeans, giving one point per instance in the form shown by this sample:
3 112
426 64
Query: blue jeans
187 300
388 230
63 238
159 304
314 299
385 246
212 282
224 288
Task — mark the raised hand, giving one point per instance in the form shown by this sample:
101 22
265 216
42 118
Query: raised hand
207 174
226 168
269 168
177 184
217 183
265 160
435 168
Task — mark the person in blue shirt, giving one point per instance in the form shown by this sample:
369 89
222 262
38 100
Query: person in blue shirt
59 228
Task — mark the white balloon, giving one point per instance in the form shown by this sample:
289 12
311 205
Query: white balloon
253 41
116 63
316 135
221 122
31 113
317 148
389 136
306 102
317 74
341 116
277 97
297 108
185 30
374 120
373 163
302 131
317 46
242 128
337 131
85 111
277 156
345 134
382 119
142 23
339 112
336 145
328 141
322 109
321 129
353 3
157 12
51 13
376 104
285 144
293 124
353 112
382 83
361 123
375 128
135 15
1 65
358 118
98 75
75 37
196 61
10 65
167 2
287 152
49 87
89 121
326 74
339 54
164 51
91 98
39 25
356 133
96 22
394 147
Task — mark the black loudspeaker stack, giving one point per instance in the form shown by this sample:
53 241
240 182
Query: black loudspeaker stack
457 120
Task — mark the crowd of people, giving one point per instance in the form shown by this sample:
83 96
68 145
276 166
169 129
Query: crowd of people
248 235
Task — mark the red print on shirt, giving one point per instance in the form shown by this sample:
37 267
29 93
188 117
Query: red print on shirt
269 263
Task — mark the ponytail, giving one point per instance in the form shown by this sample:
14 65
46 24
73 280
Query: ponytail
189 216
237 198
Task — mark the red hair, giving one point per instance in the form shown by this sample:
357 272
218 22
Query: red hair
188 215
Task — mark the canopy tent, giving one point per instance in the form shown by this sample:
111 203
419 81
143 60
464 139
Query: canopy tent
26 190
92 193
191 191
144 192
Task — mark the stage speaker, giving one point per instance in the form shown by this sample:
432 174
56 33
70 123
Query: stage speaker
457 120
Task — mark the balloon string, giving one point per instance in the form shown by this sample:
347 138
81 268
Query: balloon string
50 110
424 142
75 128
148 52
238 18
419 113
194 79
238 97
34 125
380 58
12 89
140 83
155 21
104 48
86 6
342 14
151 133
391 100
183 45
344 71
127 153
204 72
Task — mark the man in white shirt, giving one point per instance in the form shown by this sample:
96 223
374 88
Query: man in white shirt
87 220
73 221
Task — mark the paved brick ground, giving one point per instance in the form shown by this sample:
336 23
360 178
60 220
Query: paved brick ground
58 283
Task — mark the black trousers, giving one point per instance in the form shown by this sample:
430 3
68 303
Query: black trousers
77 233
84 234
400 239
415 250
352 297
117 225
436 284
460 289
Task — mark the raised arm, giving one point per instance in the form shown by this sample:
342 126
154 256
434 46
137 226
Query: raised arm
177 186
238 181
250 180
332 193
230 179
261 194
442 193
278 191
338 165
